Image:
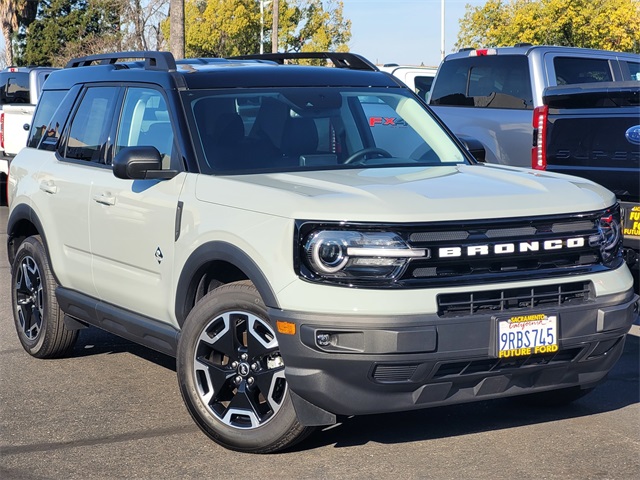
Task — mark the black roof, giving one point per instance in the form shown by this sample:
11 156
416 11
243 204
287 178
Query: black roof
269 70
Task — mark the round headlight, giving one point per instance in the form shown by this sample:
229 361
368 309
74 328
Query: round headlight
327 252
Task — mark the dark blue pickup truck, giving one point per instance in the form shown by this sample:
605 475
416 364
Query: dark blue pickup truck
593 131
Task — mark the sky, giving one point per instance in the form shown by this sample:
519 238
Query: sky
406 32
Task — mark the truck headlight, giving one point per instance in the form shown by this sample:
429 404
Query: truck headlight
352 255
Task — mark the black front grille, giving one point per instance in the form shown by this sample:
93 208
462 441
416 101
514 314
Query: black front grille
495 301
482 251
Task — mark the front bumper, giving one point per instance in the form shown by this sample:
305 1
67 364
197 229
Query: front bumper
385 364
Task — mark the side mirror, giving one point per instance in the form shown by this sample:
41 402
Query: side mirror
140 163
475 147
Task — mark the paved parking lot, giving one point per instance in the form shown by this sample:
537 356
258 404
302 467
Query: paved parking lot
113 410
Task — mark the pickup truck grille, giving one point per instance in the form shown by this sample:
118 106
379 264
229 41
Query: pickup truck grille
512 249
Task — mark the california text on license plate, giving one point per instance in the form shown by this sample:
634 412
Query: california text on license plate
531 334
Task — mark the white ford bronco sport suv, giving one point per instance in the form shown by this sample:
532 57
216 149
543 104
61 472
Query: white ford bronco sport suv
308 242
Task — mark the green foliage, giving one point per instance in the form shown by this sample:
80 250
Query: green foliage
313 25
222 28
68 28
601 24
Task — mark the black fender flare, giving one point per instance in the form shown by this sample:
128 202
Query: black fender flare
218 250
19 213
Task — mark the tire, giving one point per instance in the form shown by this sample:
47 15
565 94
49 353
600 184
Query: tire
553 398
37 316
231 374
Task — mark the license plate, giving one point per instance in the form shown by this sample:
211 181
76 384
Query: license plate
524 335
631 220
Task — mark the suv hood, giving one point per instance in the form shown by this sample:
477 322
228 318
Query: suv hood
407 194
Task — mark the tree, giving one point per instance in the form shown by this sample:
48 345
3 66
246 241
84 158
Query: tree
603 24
141 21
177 28
69 28
222 28
15 14
219 28
313 25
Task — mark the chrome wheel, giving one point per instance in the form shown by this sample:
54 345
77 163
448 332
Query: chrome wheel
29 297
238 370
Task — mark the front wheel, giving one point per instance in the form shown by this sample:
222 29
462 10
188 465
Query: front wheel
37 316
231 373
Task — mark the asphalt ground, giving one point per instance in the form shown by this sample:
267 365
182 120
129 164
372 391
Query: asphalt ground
113 411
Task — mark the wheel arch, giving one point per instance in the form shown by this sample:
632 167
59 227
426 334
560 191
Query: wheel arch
214 264
23 222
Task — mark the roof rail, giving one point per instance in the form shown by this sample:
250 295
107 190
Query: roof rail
163 61
523 44
340 59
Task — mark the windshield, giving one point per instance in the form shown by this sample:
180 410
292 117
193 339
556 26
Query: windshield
314 128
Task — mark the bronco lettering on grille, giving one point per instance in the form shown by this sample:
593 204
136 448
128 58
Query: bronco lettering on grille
506 248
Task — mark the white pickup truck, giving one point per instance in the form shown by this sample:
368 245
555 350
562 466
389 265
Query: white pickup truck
419 79
19 90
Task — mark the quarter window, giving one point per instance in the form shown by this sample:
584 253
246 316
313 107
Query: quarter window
145 122
47 105
90 128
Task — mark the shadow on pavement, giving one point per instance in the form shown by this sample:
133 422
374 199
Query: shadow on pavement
94 341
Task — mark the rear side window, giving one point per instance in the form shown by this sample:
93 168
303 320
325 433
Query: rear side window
634 70
491 81
91 123
14 87
570 70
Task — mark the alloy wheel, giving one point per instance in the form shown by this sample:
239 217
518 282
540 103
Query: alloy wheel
239 371
29 298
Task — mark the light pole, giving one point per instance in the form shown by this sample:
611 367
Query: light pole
262 5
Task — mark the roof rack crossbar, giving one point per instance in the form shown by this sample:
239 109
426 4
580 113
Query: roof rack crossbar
163 61
340 59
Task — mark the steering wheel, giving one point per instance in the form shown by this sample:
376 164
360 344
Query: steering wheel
361 154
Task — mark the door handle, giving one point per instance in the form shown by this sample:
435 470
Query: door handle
48 187
104 199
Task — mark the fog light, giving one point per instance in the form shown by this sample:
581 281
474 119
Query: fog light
323 339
